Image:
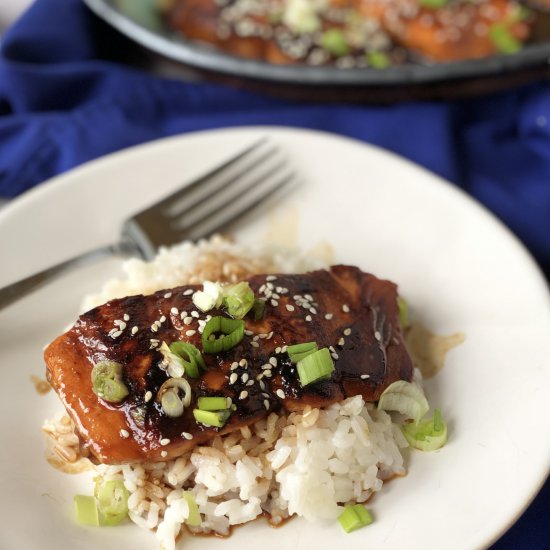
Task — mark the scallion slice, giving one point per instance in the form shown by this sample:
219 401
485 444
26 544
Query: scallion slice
238 299
428 435
107 383
190 356
112 500
403 312
232 331
174 396
171 403
194 517
258 309
406 398
86 510
503 39
212 403
298 351
315 367
354 517
212 418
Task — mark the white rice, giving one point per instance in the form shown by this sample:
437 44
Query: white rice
306 464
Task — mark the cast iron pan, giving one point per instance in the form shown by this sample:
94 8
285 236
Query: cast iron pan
139 21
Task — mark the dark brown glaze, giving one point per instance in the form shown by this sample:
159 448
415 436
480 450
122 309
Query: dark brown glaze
374 348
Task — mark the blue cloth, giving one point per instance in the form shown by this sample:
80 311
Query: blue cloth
63 102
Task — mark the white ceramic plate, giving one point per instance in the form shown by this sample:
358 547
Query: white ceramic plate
459 268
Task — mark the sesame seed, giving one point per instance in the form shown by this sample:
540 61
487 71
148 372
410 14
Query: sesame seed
284 348
243 394
262 385
273 361
280 393
266 404
377 335
188 320
186 435
255 344
116 334
195 314
126 317
308 318
341 342
233 378
165 441
183 314
162 319
308 297
347 332
331 348
335 356
270 335
174 311
256 338
268 373
261 289
313 310
250 383
297 297
154 328
276 296
271 278
124 434
190 332
188 292
328 316
290 307
277 349
134 330
365 376
345 308
270 286
234 365
266 366
274 303
248 332
164 454
243 363
168 295
244 378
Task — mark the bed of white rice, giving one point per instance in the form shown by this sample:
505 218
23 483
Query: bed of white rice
307 464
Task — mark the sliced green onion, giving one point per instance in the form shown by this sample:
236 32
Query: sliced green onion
433 4
194 517
428 435
315 367
334 42
406 398
231 329
378 60
171 361
212 418
112 497
258 309
107 383
170 399
403 312
190 357
238 299
86 510
298 351
354 517
503 39
209 297
212 403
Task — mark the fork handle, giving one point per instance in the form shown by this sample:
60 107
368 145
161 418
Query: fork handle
11 293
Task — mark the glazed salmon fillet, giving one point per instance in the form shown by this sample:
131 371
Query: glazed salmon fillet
353 314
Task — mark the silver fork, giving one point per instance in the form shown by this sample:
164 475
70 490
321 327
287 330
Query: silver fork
198 209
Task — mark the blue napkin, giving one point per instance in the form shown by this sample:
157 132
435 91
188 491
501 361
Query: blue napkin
63 102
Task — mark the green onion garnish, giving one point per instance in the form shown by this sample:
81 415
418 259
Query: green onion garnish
194 518
298 351
354 517
107 383
190 356
258 309
112 500
212 403
86 510
238 300
428 435
403 312
315 367
231 329
406 398
378 60
503 39
212 418
174 396
334 42
434 4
